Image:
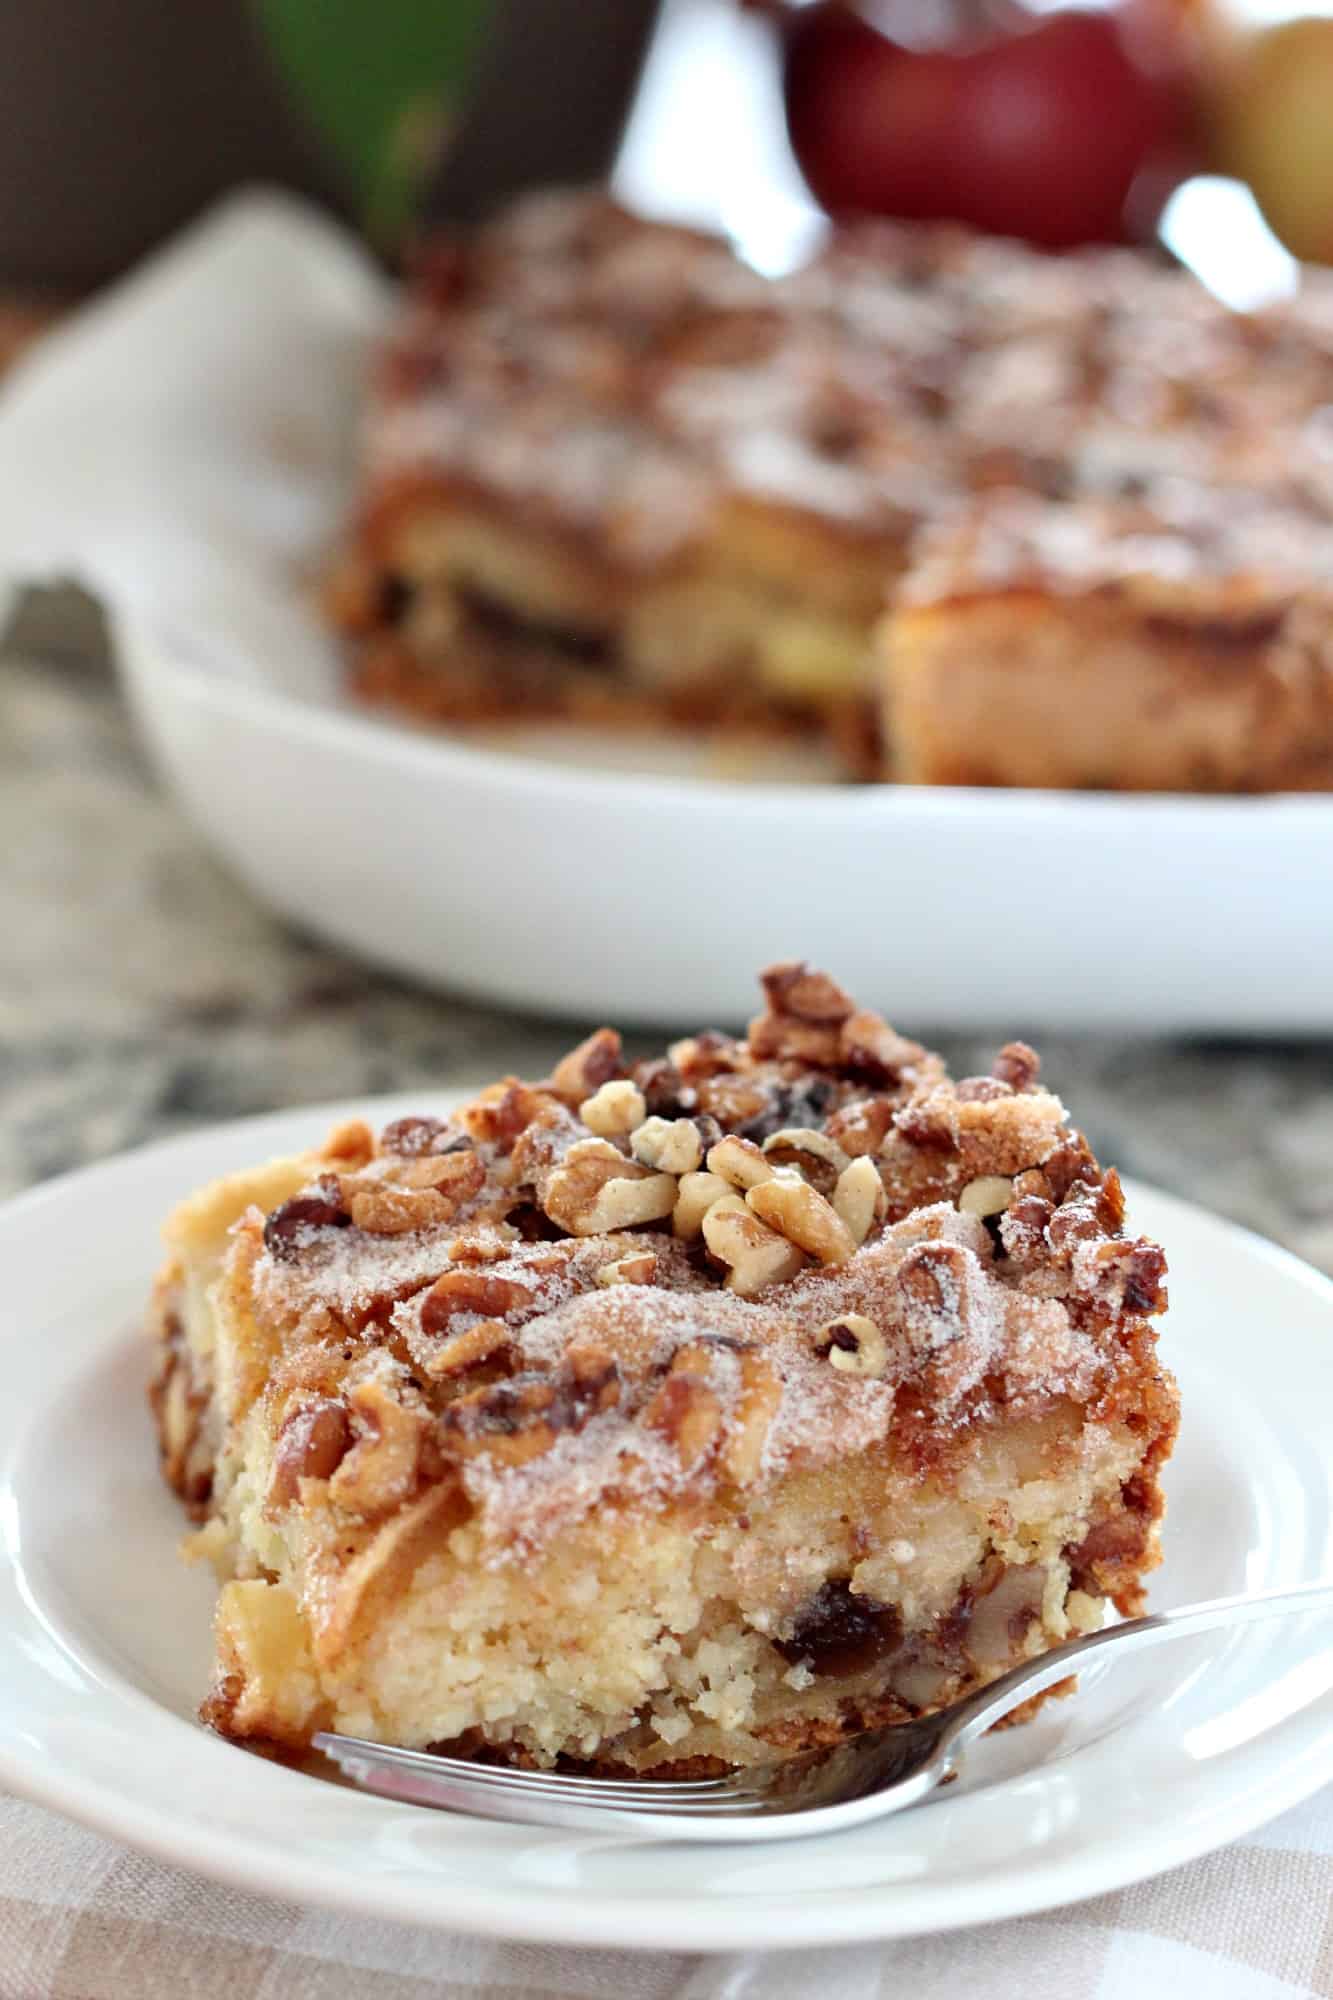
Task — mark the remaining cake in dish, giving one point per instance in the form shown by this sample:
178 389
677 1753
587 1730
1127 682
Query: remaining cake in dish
613 475
666 1414
1178 645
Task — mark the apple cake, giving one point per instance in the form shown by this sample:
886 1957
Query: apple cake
665 1414
614 476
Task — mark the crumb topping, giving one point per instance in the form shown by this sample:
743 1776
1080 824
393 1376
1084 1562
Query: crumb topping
634 1282
628 383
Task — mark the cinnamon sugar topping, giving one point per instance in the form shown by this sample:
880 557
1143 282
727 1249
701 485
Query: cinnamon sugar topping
900 1253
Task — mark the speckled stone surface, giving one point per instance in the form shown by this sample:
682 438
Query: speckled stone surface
143 991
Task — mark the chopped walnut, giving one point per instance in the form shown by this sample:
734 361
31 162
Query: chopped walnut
817 1157
314 1439
640 1268
803 1216
742 1454
739 1161
930 1123
671 1145
519 1419
381 1468
592 1193
853 1344
869 1049
614 1110
458 1176
697 1193
702 1056
291 1225
412 1138
504 1111
858 1197
795 988
585 1069
1017 1065
471 1291
758 1256
783 1038
473 1347
686 1409
862 1126
385 1210
352 1144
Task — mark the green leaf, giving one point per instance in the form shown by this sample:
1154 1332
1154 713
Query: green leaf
380 82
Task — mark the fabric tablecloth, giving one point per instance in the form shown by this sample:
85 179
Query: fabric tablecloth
82 1919
141 991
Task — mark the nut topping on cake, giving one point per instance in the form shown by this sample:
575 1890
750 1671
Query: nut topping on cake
853 1344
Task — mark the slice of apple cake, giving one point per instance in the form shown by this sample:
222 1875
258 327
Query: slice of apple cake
666 1413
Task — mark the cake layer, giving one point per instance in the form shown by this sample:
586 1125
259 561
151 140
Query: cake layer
1178 646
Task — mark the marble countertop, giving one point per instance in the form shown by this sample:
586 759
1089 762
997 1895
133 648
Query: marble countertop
143 991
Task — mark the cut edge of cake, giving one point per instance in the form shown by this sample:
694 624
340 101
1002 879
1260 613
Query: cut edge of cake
666 1415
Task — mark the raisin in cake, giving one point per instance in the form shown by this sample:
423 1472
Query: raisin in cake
614 476
666 1414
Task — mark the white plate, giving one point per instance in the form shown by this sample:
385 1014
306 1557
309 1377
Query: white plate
104 1637
186 448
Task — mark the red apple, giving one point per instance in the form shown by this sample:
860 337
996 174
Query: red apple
1036 128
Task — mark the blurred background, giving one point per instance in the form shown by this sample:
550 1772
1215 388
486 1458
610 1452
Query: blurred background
141 988
1202 124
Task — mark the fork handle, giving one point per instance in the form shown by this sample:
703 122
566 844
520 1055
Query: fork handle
979 1712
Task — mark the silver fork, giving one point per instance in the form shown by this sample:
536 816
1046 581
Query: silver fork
816 1791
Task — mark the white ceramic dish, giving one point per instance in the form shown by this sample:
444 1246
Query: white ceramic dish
186 448
104 1636
578 890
